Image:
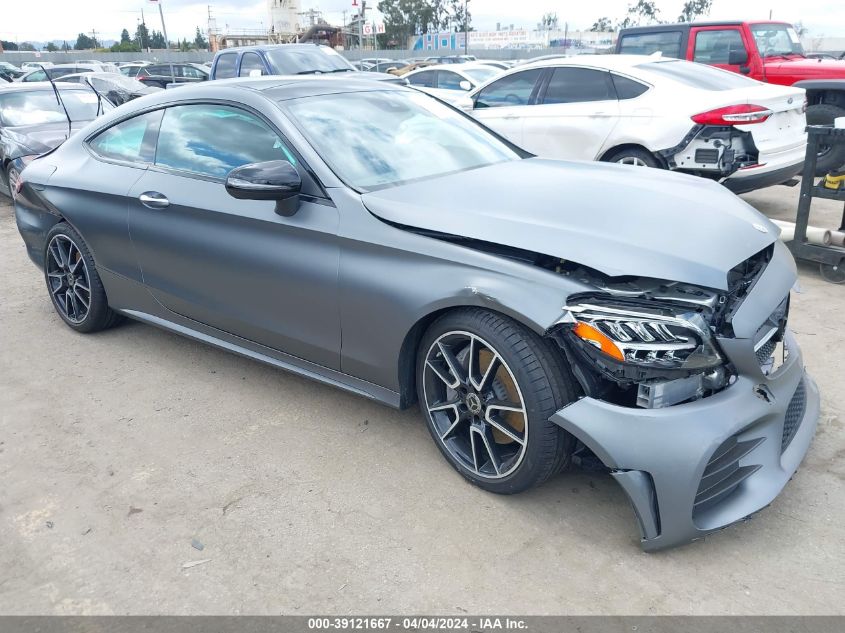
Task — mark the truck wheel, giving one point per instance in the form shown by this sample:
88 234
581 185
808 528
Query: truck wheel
831 157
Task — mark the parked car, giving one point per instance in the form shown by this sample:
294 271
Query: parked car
285 59
766 51
163 75
653 112
388 66
60 70
495 63
9 72
32 121
131 69
533 308
450 59
413 65
35 65
452 81
113 86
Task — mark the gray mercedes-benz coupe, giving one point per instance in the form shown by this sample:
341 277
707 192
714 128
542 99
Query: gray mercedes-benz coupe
369 236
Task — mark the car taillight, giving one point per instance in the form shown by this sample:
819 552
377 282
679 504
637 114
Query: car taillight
141 77
742 114
18 185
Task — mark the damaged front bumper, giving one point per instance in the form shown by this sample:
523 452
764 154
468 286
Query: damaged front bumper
695 468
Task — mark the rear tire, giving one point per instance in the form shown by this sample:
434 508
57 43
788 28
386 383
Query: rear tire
74 284
5 190
830 157
501 450
633 156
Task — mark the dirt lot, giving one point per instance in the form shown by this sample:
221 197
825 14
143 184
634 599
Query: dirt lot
116 450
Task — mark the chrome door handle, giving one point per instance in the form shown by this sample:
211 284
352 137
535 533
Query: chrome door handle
154 200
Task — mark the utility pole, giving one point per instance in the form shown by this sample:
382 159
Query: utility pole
466 27
144 30
163 28
361 24
94 36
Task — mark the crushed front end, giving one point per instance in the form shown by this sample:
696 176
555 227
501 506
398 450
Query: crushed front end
695 399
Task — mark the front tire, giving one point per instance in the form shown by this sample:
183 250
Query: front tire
830 157
487 386
73 282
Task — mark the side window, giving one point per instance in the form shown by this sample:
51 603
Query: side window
250 62
130 140
627 88
578 85
424 79
37 76
714 47
512 90
212 140
225 66
667 42
447 80
191 72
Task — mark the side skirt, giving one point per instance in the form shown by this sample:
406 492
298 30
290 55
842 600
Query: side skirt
223 340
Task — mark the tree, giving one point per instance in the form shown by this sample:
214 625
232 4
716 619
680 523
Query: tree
83 42
549 22
65 46
142 35
460 16
403 18
602 24
693 9
124 37
200 42
157 40
644 12
51 48
800 29
26 46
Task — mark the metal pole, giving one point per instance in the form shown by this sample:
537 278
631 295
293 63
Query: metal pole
163 28
361 26
466 28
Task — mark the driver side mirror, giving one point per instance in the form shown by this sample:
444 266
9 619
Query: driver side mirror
737 57
465 85
271 180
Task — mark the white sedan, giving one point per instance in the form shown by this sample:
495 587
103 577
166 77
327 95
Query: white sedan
649 111
450 82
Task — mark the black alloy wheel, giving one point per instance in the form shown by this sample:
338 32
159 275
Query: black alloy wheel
487 386
73 282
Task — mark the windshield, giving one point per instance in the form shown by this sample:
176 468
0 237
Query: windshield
379 139
480 75
40 106
774 40
316 59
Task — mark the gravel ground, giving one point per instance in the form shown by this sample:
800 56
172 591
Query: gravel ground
120 450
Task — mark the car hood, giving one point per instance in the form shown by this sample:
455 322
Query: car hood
807 68
617 219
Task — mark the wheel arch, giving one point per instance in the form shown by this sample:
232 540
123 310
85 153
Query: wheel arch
407 361
623 146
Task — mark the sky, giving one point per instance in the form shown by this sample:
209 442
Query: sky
44 20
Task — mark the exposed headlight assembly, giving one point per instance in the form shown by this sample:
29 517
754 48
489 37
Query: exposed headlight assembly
660 338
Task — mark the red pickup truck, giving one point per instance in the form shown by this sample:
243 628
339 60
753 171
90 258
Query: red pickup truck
766 51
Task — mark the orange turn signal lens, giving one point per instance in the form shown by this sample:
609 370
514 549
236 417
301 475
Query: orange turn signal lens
594 337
